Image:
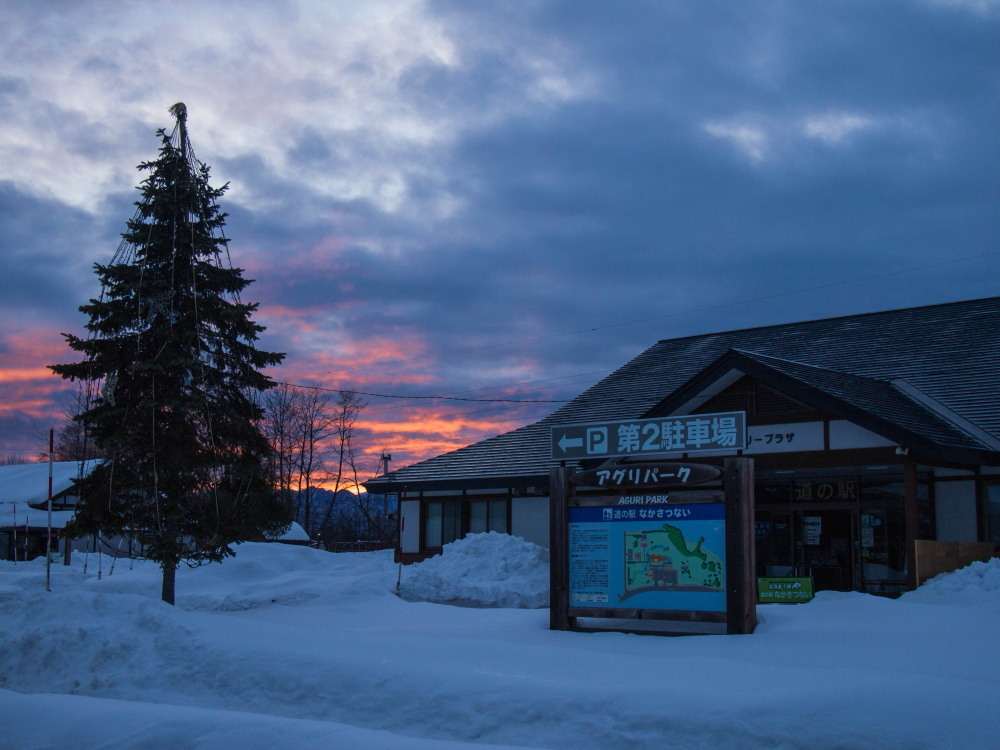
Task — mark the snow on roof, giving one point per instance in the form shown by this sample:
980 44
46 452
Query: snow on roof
29 483
295 533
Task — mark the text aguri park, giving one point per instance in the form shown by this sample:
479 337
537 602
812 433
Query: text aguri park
643 545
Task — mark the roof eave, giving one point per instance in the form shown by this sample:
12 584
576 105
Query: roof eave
826 402
519 482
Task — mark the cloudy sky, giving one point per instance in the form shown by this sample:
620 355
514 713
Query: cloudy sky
501 199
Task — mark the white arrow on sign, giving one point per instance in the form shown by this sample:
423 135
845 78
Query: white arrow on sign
567 442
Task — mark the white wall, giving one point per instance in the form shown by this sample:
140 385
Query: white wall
529 519
955 508
409 537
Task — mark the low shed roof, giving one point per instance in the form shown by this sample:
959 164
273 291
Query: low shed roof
29 483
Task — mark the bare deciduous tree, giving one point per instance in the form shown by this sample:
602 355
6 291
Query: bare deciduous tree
312 433
349 406
315 420
72 442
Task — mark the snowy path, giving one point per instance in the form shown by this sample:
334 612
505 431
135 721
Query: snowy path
288 647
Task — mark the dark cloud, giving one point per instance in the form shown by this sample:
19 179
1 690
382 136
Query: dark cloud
45 256
568 182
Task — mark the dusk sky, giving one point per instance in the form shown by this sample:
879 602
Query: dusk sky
501 200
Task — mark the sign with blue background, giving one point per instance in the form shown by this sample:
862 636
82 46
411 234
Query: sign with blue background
660 557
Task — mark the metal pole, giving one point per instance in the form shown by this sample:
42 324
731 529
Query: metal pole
48 536
385 458
399 539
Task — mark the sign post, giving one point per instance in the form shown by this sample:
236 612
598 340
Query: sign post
690 433
638 552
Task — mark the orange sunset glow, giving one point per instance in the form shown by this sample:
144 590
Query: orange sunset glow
32 399
28 389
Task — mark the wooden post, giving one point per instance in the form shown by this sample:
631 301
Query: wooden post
558 549
741 573
911 514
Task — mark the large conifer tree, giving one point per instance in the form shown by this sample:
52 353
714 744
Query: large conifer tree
170 354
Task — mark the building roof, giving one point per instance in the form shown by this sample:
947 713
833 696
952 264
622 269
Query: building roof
29 483
924 377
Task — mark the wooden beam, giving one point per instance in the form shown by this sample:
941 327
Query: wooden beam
559 489
911 516
741 574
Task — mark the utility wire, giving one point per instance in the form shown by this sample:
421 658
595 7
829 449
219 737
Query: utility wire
473 390
706 308
435 398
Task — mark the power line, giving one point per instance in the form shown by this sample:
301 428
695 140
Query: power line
763 298
471 390
592 329
436 398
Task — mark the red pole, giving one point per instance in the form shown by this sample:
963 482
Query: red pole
48 536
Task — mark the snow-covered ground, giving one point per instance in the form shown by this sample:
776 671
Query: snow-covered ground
289 647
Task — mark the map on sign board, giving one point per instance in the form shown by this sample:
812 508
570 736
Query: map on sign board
663 560
668 557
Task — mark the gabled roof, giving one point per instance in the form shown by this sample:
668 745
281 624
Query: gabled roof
29 483
888 408
925 377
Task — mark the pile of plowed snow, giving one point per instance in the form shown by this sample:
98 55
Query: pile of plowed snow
482 570
977 584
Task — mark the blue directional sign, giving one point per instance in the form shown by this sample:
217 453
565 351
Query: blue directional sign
691 433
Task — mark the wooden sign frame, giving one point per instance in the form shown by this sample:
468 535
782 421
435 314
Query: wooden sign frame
739 616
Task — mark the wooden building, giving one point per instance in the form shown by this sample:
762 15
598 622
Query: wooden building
869 433
24 518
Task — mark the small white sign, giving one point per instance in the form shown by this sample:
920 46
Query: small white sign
812 529
785 438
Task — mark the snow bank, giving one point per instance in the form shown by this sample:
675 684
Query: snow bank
290 647
977 584
131 725
260 575
482 570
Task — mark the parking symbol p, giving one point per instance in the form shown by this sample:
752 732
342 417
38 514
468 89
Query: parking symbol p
597 440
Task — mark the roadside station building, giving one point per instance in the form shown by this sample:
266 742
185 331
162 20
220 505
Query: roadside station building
870 434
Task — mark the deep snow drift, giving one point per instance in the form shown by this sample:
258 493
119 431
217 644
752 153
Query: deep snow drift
289 647
482 570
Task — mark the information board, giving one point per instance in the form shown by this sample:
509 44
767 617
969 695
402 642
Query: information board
623 561
668 557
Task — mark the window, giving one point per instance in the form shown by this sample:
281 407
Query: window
487 515
444 522
993 513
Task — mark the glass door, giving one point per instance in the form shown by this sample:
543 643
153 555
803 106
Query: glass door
775 544
993 513
827 547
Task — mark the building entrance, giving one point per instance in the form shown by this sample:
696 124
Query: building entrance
851 541
827 548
